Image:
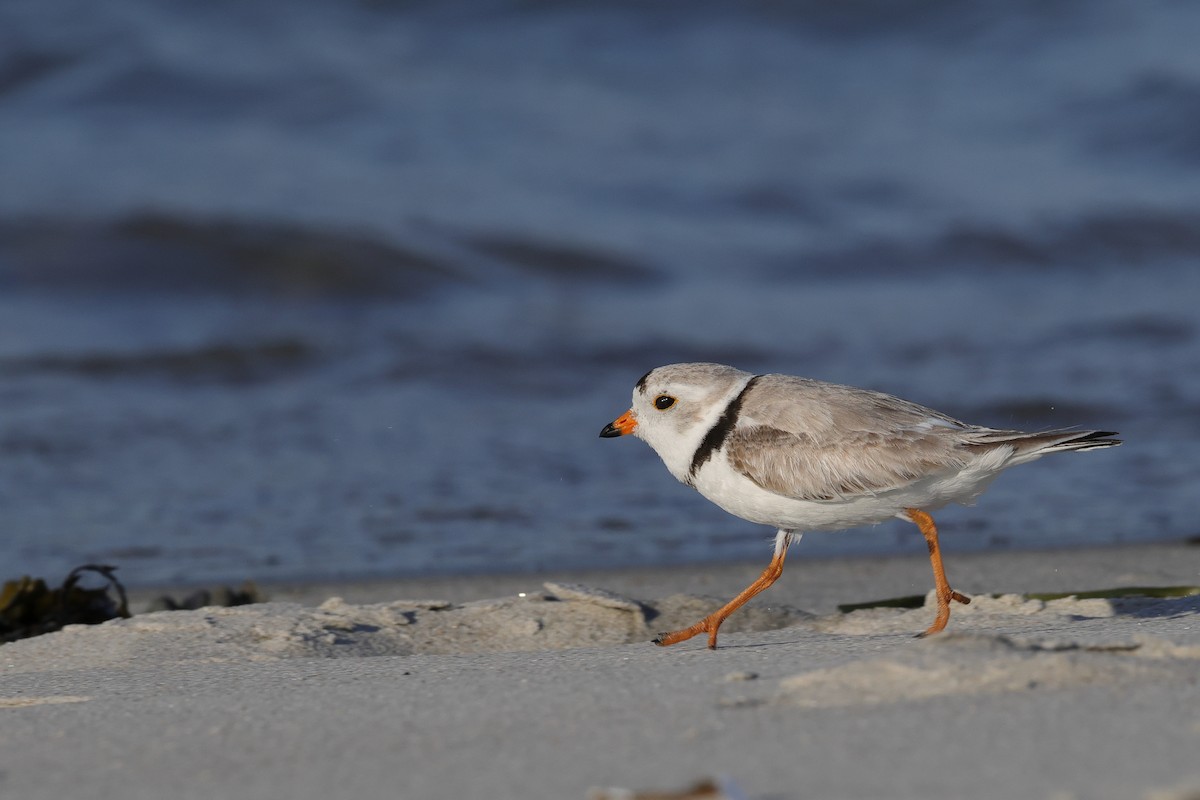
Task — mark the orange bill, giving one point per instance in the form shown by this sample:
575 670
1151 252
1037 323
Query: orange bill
620 426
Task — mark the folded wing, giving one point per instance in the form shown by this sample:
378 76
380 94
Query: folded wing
795 465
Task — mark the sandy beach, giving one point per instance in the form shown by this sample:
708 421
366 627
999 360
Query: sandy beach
545 687
328 290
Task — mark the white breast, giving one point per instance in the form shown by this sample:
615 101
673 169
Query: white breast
740 496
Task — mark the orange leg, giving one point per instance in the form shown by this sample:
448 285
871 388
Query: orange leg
944 593
713 621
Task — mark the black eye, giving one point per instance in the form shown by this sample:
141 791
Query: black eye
663 402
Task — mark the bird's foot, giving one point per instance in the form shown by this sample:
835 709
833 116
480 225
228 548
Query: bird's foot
943 615
707 625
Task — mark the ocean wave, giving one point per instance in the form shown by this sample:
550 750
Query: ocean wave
172 254
222 363
1125 238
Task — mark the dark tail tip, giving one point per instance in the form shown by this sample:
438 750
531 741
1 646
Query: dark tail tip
1090 440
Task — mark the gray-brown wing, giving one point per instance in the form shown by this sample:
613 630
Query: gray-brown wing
864 462
829 413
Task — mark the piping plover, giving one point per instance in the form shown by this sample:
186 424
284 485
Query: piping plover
802 455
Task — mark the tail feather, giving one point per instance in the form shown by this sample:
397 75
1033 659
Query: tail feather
1087 440
1028 446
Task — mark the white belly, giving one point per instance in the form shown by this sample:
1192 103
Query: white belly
743 498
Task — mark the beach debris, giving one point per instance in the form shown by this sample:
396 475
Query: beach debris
994 610
222 596
48 700
975 664
592 594
907 601
1117 592
1187 792
720 788
29 607
1120 592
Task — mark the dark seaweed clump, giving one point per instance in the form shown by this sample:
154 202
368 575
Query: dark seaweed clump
223 596
29 607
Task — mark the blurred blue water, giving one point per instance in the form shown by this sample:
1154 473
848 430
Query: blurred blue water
316 290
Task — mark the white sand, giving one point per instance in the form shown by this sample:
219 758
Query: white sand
479 692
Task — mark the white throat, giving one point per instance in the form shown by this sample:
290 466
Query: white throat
678 447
